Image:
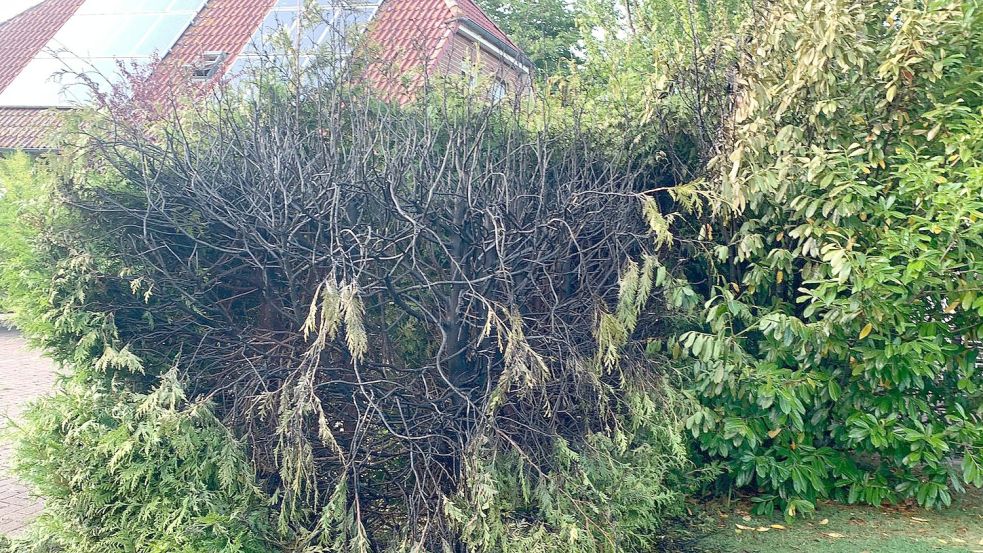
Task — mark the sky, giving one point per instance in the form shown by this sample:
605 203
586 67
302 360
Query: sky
10 8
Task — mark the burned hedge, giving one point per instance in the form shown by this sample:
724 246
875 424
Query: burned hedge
418 319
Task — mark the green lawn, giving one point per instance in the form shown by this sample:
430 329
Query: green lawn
852 529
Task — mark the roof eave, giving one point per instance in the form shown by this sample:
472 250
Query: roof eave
37 150
518 55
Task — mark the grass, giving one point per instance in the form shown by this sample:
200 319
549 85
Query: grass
838 528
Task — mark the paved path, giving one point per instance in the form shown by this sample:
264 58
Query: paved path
24 375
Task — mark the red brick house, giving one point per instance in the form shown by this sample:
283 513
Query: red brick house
411 40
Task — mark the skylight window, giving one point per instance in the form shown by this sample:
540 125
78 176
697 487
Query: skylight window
101 34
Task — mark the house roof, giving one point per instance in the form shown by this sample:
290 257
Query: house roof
27 128
23 36
406 34
411 35
222 25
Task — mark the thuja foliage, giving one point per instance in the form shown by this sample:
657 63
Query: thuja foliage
22 185
132 467
839 354
121 471
411 317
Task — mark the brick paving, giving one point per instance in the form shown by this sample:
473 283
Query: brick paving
24 375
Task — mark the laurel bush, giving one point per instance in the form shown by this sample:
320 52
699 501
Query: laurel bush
839 356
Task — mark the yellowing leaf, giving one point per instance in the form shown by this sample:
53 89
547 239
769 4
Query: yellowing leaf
951 307
865 331
736 158
779 277
969 298
775 432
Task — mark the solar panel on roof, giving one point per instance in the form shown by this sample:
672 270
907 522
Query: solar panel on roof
311 27
118 7
99 35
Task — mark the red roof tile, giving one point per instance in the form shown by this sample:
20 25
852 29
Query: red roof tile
409 36
27 128
406 37
221 26
23 36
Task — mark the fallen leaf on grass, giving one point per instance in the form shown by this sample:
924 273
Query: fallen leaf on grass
835 535
777 526
763 528
742 527
916 519
957 540
824 521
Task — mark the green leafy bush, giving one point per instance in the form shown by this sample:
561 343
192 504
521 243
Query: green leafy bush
839 358
121 471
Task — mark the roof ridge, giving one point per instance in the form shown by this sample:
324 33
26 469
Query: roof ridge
454 8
